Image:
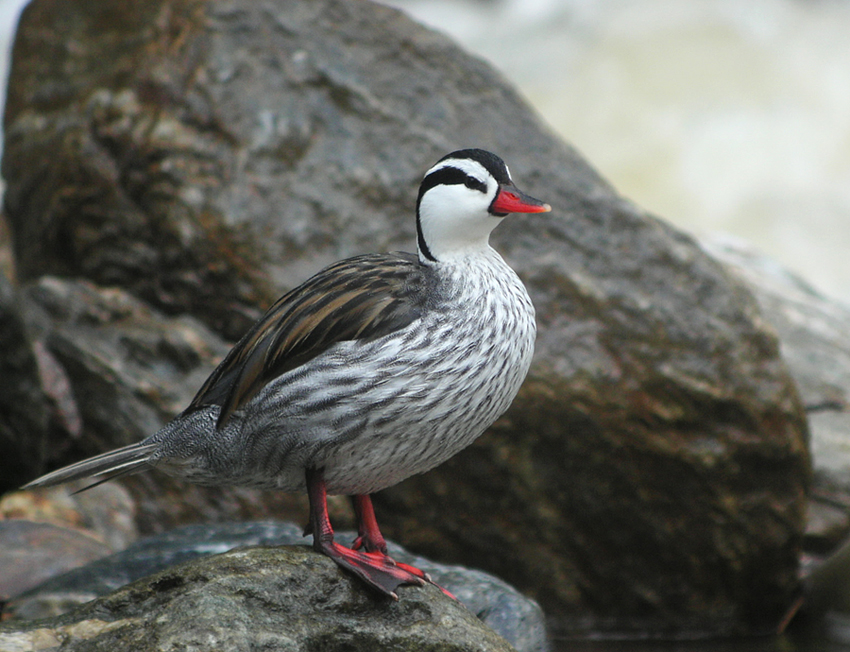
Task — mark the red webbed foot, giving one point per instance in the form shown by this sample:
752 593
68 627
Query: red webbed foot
367 558
377 569
371 540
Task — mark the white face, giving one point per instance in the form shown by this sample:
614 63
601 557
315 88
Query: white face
454 216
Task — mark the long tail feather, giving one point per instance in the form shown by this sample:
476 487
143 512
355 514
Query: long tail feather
129 459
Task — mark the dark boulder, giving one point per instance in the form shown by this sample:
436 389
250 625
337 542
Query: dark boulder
25 408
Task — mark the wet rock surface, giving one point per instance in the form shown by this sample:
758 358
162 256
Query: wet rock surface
266 598
206 156
518 619
815 342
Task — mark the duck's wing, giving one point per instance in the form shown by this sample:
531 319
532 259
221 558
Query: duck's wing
361 298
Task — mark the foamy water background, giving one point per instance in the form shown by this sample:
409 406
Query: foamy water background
720 116
717 115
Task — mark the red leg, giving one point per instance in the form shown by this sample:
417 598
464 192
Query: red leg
373 567
371 540
370 537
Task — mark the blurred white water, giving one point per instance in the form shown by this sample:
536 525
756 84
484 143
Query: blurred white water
9 12
718 115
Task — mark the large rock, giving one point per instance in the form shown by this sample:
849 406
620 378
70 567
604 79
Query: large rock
516 618
291 600
651 477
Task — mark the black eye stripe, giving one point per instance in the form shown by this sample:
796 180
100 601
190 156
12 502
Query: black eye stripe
475 184
448 176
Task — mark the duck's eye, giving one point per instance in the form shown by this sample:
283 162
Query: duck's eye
475 184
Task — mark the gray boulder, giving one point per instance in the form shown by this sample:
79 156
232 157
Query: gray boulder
518 619
287 599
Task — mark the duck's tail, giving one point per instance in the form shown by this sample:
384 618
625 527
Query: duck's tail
104 467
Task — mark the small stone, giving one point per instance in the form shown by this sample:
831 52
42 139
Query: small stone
32 552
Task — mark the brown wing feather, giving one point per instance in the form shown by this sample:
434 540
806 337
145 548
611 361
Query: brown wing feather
360 298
